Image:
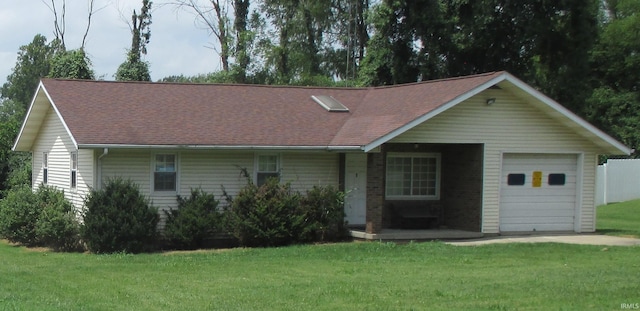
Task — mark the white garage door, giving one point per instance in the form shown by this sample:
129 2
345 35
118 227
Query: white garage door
538 192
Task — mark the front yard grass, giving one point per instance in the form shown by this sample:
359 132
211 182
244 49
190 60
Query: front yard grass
621 219
345 276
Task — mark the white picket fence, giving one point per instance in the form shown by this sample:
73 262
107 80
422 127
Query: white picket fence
617 181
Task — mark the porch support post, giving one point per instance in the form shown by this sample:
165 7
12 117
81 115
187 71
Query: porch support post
375 191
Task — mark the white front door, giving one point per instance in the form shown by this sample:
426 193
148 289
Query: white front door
355 185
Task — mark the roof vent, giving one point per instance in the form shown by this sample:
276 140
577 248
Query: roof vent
329 103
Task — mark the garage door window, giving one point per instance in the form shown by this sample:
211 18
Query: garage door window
516 179
413 176
557 179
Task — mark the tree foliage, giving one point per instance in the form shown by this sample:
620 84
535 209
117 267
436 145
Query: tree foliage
134 68
196 219
33 63
614 104
119 218
72 64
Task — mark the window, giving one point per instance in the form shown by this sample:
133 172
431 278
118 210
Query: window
413 176
164 172
74 170
515 179
267 166
557 179
45 168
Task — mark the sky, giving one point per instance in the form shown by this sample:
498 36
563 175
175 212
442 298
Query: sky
178 45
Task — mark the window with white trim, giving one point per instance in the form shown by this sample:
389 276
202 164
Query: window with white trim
74 170
45 167
164 172
413 176
267 166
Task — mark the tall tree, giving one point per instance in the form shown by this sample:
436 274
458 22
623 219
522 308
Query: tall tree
33 63
72 64
303 49
134 68
243 37
614 105
390 58
214 17
59 22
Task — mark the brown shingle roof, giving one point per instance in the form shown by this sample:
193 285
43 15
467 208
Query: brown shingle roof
134 113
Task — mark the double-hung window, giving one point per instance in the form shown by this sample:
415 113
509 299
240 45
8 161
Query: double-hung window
413 176
267 166
74 170
45 168
164 173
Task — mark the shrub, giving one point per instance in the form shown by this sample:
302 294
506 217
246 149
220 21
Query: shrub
323 210
118 218
57 227
265 215
19 213
196 219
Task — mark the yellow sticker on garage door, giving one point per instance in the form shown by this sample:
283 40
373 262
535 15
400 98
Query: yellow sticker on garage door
536 179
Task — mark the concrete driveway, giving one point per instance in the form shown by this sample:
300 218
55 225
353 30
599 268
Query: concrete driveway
585 239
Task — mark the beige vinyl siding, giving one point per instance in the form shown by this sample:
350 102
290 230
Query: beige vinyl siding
213 169
308 169
54 140
85 177
508 126
129 164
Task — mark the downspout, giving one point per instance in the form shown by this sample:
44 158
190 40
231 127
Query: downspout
105 152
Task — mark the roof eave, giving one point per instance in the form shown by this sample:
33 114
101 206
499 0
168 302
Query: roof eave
378 142
223 147
614 146
23 143
611 145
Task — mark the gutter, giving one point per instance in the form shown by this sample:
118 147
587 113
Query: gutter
219 147
105 152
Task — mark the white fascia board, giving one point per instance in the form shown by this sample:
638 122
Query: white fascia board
31 107
520 84
376 143
222 147
26 118
55 108
567 113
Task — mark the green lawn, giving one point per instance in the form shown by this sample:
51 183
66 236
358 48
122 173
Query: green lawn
348 276
622 219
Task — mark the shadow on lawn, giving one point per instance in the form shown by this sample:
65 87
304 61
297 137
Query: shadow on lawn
618 232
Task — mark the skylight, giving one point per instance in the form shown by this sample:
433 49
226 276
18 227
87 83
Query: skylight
329 103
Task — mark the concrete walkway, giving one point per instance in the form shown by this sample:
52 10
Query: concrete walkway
585 239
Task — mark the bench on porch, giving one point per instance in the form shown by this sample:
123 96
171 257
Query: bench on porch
416 217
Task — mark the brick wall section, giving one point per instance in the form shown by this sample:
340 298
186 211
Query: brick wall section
460 204
375 192
462 186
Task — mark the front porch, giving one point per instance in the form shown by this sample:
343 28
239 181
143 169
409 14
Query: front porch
414 235
452 206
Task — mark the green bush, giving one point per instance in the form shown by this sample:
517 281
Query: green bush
265 216
118 218
196 219
57 226
323 210
19 213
